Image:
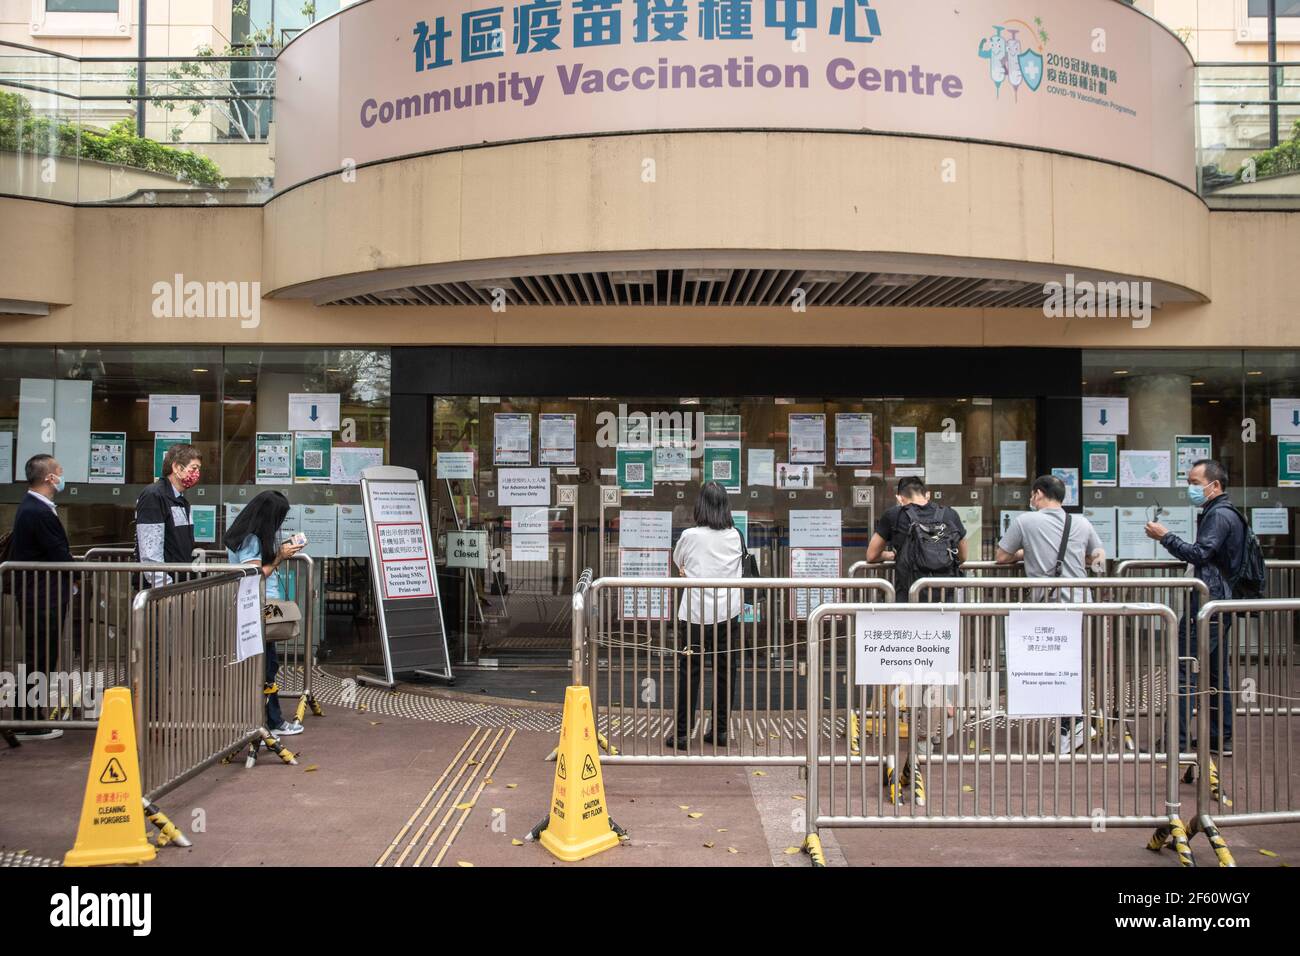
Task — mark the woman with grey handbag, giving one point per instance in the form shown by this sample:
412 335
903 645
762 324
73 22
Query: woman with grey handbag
252 539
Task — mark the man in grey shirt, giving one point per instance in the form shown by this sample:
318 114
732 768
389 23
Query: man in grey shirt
1037 534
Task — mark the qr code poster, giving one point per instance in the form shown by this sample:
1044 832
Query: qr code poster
636 470
311 457
722 464
1288 463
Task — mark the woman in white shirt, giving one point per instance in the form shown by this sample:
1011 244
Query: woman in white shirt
711 549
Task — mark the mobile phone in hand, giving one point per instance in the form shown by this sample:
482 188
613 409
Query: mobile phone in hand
299 539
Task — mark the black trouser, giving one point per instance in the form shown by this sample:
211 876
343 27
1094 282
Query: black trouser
707 643
42 625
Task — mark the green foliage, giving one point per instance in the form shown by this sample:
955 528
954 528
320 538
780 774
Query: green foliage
1281 159
24 132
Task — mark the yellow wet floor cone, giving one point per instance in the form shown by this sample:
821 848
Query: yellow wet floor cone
112 826
578 825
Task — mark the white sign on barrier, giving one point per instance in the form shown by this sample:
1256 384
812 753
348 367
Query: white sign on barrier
248 619
906 647
1045 663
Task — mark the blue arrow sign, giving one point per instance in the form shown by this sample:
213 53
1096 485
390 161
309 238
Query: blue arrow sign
313 413
1103 416
1295 416
173 418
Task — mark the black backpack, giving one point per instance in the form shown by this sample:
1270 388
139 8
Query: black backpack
1251 578
930 547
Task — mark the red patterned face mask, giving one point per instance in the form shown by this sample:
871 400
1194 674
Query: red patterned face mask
190 480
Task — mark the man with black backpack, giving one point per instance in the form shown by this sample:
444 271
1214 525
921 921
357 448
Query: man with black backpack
925 540
1227 557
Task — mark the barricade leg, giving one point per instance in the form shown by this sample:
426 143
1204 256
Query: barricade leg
168 832
1203 824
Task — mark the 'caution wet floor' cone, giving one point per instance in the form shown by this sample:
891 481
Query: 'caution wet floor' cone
112 826
578 825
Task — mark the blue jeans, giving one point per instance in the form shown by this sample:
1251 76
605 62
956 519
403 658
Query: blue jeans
274 718
1218 654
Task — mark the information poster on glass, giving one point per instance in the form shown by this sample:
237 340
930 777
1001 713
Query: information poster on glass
672 456
274 458
722 451
853 438
557 438
161 442
1100 461
807 439
107 458
1189 449
644 551
943 458
455 465
636 471
1270 521
816 551
1133 542
902 445
347 462
7 457
320 524
1144 469
204 518
762 467
1070 478
1103 520
1013 459
352 531
1288 463
512 436
311 457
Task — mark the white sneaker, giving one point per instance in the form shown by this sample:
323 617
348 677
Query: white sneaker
1071 742
54 734
287 729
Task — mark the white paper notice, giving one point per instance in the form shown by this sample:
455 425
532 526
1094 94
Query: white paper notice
1105 416
512 438
899 647
523 486
7 457
352 532
394 501
672 463
528 547
643 604
1132 537
320 523
1270 521
853 439
1103 520
814 563
1045 663
1144 469
645 529
312 412
1014 459
815 529
1285 417
943 458
173 413
557 438
1182 522
248 619
807 439
529 520
455 465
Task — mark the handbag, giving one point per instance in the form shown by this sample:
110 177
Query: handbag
748 569
281 620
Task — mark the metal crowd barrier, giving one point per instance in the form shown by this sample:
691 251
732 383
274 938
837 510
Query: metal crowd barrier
193 704
1245 764
70 622
972 569
304 584
978 771
641 661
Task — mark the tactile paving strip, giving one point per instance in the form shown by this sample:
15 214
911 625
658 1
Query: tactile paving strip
23 858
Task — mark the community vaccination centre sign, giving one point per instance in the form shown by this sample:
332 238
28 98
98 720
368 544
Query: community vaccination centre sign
390 78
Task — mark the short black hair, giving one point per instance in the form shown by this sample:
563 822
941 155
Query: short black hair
1214 471
712 509
911 486
180 454
39 467
1051 487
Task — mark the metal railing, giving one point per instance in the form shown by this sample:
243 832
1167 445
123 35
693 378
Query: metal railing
979 770
646 668
973 569
303 586
194 704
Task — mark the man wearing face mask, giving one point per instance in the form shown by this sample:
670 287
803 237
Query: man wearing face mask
1216 557
164 532
38 535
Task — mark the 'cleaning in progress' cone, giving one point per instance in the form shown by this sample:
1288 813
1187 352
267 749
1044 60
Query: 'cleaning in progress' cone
579 824
112 815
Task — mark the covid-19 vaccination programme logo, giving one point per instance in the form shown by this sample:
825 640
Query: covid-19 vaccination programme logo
1016 53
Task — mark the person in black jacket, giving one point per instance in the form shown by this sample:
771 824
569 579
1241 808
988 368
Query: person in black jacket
1216 556
38 535
164 532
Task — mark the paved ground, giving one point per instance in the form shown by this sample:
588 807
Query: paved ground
458 780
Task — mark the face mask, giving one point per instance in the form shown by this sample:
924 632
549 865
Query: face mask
1032 505
190 480
58 483
1196 493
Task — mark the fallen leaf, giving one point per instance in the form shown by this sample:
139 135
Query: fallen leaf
732 849
774 736
967 788
362 708
682 806
488 780
760 773
797 796
375 723
708 846
722 829
516 842
473 763
791 850
498 810
1268 853
310 769
984 750
463 806
511 786
970 745
695 816
464 863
